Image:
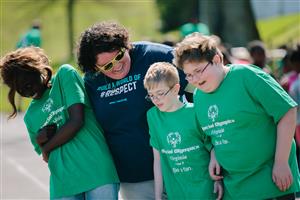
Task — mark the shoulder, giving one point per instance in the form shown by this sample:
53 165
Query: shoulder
67 73
248 72
189 108
246 69
150 47
152 111
66 68
188 105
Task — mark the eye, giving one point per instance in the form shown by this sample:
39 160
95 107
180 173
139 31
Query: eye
120 56
160 94
150 95
198 71
108 66
27 86
188 75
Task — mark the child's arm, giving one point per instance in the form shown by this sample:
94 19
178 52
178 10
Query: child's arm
158 181
214 167
67 131
285 132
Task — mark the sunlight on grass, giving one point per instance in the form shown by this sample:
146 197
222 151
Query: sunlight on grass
280 30
140 17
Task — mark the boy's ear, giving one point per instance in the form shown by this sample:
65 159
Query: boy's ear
177 87
217 59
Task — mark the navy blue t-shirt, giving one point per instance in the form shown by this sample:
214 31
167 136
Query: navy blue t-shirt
120 108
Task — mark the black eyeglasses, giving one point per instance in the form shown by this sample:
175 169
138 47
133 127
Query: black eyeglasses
108 66
197 72
158 96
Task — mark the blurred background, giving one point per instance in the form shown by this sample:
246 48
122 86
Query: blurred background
235 22
248 31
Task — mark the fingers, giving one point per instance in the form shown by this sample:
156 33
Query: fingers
214 173
46 161
216 178
219 190
218 169
283 183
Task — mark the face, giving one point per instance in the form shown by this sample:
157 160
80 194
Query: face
115 65
30 85
163 96
206 76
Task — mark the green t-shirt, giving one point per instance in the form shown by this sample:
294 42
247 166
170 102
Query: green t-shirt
31 38
183 151
84 162
241 117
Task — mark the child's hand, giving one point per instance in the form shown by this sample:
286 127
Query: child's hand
45 156
42 138
218 189
45 134
282 176
214 168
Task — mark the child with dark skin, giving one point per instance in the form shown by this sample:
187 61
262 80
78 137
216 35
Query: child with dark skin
61 126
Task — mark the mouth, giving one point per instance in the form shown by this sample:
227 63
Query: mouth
201 83
159 105
118 69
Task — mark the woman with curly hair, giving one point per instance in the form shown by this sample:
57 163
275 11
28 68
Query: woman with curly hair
114 71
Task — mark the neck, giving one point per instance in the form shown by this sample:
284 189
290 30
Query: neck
177 104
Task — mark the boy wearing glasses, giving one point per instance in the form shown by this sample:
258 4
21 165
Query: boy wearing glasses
180 151
114 71
250 119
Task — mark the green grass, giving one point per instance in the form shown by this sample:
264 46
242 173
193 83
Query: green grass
139 16
280 30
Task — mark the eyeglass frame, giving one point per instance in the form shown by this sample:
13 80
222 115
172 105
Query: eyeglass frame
113 61
159 96
197 72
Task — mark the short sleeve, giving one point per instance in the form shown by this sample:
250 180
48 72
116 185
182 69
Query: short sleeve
268 93
32 136
153 137
71 85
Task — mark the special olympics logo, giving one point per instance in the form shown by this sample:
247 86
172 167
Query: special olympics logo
48 105
213 112
174 138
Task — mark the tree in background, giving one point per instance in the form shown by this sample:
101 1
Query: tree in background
232 20
174 13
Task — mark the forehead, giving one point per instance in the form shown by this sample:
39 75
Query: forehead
157 86
189 67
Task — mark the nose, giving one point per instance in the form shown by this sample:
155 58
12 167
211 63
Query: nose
24 93
193 79
155 99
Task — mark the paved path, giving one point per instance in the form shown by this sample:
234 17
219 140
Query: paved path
23 173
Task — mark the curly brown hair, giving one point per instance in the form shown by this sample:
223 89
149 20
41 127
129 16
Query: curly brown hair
195 48
100 37
13 64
